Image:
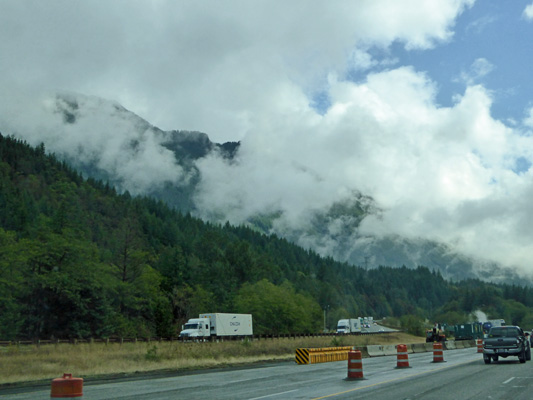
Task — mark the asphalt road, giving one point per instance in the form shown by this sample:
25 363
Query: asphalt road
463 375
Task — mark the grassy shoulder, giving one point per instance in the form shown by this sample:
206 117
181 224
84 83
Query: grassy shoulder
31 363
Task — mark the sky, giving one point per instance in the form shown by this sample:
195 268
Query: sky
425 105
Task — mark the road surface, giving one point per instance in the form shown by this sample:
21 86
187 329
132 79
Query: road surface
463 375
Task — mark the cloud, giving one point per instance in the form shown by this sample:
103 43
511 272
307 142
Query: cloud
528 12
481 24
241 70
528 120
479 69
209 66
438 173
91 130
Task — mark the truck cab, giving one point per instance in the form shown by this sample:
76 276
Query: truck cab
343 326
196 328
350 325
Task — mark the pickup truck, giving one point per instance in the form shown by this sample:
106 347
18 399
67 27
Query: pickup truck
505 341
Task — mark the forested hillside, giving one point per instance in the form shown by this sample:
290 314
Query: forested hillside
78 259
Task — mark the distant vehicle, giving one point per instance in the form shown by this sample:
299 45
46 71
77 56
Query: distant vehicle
468 331
505 341
218 325
436 334
351 325
492 323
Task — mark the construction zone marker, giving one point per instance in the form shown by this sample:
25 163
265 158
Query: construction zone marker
67 387
321 354
355 365
479 343
403 356
438 355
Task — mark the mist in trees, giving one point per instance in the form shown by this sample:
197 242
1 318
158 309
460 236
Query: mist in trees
79 260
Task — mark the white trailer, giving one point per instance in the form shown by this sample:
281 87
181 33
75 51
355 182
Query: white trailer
230 324
218 325
351 325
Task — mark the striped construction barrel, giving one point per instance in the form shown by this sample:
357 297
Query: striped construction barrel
479 343
355 365
403 356
438 355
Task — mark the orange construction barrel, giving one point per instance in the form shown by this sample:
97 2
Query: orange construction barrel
67 387
355 365
479 343
438 355
403 356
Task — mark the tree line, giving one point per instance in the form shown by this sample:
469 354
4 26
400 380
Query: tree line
79 260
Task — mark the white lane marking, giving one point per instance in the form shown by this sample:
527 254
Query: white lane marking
240 380
508 380
273 395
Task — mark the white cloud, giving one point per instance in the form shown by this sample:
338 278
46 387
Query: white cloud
103 132
528 12
478 70
528 120
439 173
241 70
209 66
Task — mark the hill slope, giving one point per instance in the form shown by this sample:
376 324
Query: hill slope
188 172
79 260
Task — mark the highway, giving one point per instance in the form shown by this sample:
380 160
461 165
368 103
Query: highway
463 375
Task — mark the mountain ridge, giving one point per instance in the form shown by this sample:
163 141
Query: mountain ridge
333 232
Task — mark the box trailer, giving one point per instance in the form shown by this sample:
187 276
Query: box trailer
218 325
230 324
351 325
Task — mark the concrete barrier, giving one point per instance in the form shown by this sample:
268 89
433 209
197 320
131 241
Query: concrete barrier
363 350
428 346
310 356
419 348
375 350
389 350
449 345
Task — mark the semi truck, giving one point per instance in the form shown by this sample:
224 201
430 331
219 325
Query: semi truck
351 325
218 325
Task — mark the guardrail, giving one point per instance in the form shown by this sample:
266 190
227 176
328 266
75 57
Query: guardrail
119 340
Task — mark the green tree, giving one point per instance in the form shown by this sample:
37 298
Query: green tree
413 325
278 309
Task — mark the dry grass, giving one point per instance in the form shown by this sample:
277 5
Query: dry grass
31 363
